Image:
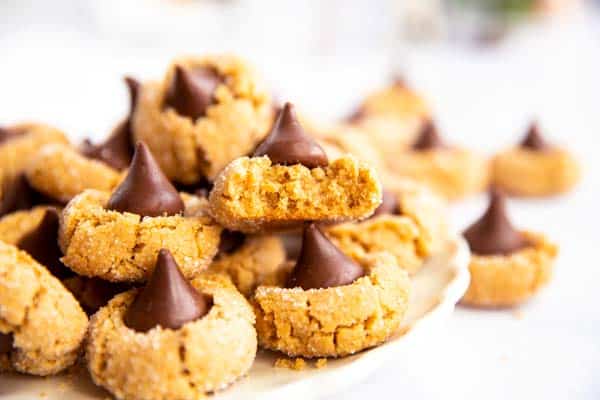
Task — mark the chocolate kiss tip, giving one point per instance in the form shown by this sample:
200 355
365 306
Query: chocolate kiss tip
429 138
288 143
533 140
134 90
493 233
321 264
42 244
168 299
145 191
389 204
191 91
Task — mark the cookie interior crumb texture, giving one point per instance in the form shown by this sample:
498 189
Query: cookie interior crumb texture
252 194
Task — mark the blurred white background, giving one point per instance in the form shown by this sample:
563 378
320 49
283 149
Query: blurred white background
62 62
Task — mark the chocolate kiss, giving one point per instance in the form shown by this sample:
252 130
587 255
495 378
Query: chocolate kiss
533 140
17 195
168 300
192 90
6 343
493 233
117 150
145 191
428 138
321 264
288 144
42 244
230 241
389 204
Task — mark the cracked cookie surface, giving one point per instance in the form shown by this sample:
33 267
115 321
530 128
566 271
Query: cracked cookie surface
252 195
189 149
507 280
202 356
60 172
523 172
116 246
46 322
336 321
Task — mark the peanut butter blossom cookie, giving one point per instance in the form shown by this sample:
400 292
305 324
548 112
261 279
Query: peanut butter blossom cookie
41 325
20 143
331 306
171 339
390 118
448 170
207 112
289 180
116 236
508 266
535 167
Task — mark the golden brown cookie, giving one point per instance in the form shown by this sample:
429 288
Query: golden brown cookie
202 356
257 260
237 118
387 134
507 280
396 234
15 225
253 195
44 323
17 150
427 209
59 171
451 172
523 172
335 321
396 100
117 246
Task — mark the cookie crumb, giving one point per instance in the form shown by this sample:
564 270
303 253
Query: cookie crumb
321 363
296 364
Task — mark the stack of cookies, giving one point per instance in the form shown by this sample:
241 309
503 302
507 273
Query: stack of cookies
211 222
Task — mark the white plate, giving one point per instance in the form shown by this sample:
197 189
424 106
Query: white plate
436 290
